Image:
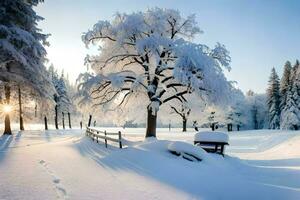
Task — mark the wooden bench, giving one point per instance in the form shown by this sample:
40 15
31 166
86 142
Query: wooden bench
106 136
212 147
212 141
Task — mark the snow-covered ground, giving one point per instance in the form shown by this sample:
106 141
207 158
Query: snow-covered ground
67 165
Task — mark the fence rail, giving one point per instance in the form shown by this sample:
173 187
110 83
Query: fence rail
97 134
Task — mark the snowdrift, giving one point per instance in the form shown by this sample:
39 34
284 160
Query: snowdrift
147 170
187 151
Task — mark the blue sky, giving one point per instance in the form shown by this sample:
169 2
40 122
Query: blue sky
260 34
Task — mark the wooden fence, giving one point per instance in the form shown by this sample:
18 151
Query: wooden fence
106 136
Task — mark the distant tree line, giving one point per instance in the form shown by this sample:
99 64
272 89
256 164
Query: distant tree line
283 98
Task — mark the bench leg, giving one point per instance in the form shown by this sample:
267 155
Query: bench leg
222 150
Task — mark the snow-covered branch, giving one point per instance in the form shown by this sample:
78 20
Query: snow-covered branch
150 55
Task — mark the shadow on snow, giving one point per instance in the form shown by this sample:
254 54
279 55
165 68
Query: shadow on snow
227 178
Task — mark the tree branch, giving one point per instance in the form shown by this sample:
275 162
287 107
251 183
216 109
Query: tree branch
172 107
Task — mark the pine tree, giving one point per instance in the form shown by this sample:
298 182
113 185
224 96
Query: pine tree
21 44
273 101
22 52
290 118
284 84
64 100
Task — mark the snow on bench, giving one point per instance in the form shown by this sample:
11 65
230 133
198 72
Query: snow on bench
96 134
187 151
212 141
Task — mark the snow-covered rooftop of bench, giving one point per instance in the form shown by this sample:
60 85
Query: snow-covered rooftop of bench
211 136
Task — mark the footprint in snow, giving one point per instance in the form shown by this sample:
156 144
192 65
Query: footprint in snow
60 191
42 162
56 180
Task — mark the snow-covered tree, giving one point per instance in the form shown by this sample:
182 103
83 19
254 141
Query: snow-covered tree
273 100
21 43
148 57
290 117
236 114
285 83
63 102
64 99
290 113
22 52
258 118
212 120
234 117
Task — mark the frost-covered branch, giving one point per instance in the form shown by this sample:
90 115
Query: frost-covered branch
150 55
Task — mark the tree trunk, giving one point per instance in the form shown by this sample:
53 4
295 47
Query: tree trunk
46 123
56 117
213 126
80 124
20 109
184 121
151 124
90 121
229 127
69 117
63 120
7 129
35 110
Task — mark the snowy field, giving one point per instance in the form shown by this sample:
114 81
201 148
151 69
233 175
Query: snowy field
67 165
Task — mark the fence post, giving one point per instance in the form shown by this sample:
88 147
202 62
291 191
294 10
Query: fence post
93 135
46 124
105 139
90 119
97 136
120 140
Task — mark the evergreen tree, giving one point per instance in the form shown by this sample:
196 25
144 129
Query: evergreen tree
296 83
63 100
290 118
273 101
284 84
22 52
21 44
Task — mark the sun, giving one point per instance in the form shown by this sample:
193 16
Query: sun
7 108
